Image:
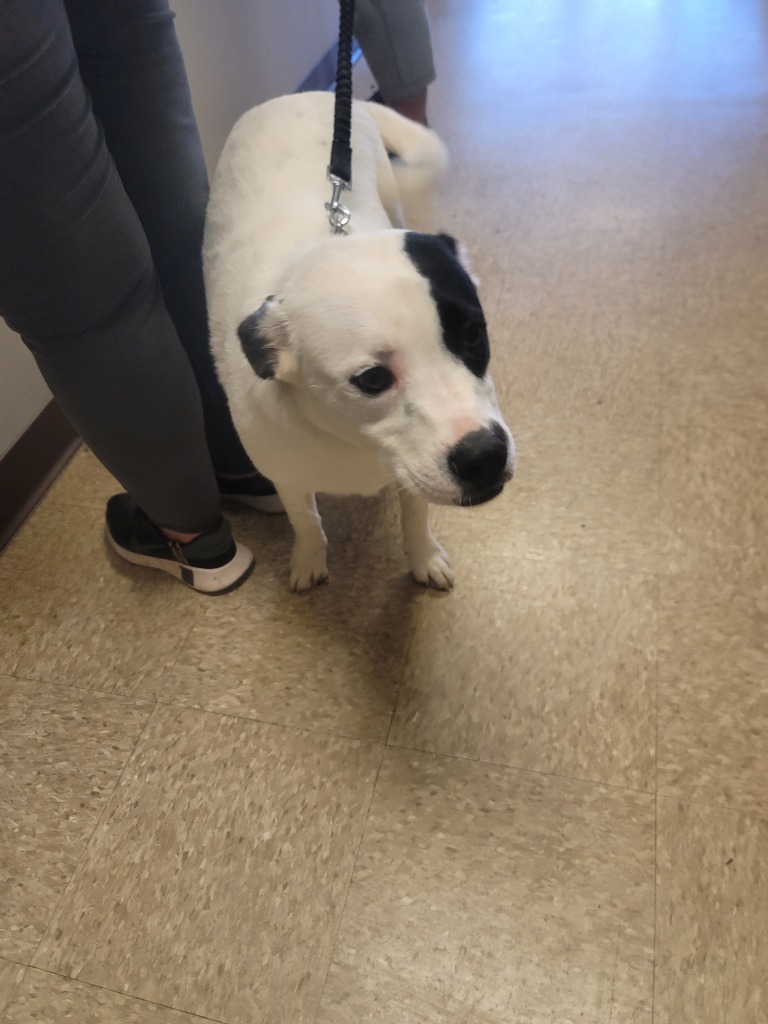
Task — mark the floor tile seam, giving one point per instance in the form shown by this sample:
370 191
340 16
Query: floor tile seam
516 768
138 701
285 726
125 995
4 957
131 700
89 840
343 910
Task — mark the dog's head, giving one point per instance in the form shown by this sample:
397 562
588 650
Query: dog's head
381 338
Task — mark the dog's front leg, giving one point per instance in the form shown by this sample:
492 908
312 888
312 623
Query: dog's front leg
308 562
429 563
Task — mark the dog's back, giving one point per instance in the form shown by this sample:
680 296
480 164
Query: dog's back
275 159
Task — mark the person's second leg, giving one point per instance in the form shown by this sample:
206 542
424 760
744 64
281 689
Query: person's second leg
77 282
396 41
131 62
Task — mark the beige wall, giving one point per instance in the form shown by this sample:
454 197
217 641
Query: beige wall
242 52
238 53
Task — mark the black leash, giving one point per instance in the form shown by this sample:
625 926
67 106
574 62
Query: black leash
340 167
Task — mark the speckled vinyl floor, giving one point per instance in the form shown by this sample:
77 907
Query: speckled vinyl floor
541 799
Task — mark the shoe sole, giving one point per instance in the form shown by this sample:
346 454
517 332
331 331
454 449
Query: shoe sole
205 581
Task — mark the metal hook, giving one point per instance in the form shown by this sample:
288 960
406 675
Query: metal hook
338 214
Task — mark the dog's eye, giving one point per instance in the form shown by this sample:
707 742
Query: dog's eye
375 381
474 351
474 337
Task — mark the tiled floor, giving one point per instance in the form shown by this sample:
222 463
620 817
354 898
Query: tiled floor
542 798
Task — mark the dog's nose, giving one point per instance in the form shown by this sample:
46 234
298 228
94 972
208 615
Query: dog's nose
479 461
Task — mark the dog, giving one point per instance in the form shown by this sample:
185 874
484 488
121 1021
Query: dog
350 361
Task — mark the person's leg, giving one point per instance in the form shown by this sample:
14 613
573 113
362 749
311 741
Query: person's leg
131 63
77 281
396 41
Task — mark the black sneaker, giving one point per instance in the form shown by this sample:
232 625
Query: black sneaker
254 491
212 563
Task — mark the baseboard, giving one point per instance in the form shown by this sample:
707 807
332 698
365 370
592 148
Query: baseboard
29 468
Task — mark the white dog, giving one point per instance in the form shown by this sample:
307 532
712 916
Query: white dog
349 361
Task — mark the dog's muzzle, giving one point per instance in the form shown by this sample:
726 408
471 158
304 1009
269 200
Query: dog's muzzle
479 464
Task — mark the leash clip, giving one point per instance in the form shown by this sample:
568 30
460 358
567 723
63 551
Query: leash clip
338 214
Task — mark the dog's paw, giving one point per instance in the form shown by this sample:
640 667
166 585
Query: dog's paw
308 568
432 569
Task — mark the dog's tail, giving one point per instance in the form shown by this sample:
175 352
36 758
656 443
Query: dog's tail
418 157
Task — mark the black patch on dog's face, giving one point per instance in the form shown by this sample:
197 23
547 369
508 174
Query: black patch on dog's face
458 306
255 346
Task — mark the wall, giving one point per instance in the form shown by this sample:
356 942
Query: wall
259 49
238 53
23 393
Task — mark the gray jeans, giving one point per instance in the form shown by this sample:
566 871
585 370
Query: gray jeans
103 191
395 38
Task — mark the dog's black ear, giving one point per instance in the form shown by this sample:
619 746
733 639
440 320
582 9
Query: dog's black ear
438 257
263 337
450 241
460 252
256 347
